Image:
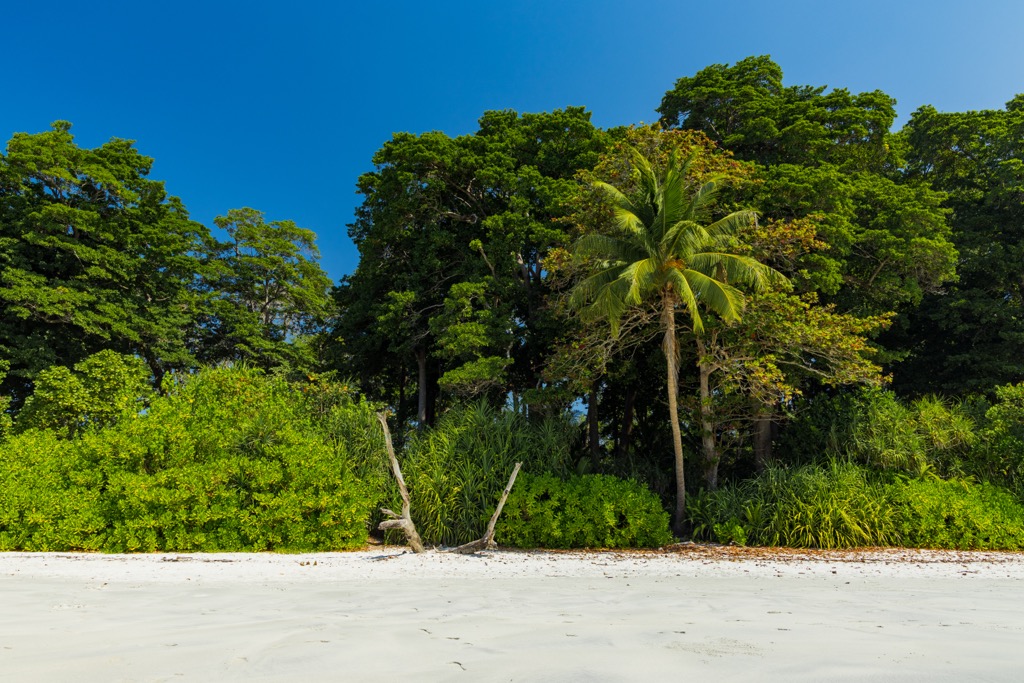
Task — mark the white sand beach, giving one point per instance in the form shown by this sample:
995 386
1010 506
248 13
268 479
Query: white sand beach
384 614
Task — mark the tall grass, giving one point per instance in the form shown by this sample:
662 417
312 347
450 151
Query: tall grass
842 505
831 506
457 469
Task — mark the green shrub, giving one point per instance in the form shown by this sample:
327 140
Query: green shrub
228 460
812 506
873 427
457 470
999 457
102 389
840 506
586 511
957 514
49 498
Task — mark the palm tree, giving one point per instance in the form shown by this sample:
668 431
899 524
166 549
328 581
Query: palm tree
660 251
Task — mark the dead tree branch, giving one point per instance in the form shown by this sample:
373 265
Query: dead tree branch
403 521
487 542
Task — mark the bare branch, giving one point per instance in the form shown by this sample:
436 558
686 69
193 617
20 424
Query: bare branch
403 521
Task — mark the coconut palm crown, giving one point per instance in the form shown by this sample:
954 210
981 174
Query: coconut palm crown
661 249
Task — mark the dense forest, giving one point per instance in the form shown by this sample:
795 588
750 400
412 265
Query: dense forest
769 318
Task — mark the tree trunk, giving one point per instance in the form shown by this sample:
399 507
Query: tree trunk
626 429
593 428
672 366
764 431
421 408
707 423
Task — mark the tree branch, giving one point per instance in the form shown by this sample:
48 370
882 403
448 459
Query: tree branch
403 521
487 542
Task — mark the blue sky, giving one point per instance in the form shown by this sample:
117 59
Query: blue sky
280 105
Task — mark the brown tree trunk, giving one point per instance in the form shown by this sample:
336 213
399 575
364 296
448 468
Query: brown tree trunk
626 429
707 422
593 427
421 407
764 432
671 350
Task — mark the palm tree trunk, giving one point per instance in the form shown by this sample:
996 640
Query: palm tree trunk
672 365
707 422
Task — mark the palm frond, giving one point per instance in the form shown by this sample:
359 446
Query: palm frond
732 224
640 275
628 216
702 198
722 298
587 289
681 287
685 238
610 248
739 269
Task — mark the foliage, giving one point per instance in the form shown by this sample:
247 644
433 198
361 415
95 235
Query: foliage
872 426
814 506
5 418
839 505
587 511
746 108
999 455
228 459
457 470
93 255
267 288
448 299
50 497
969 337
957 514
102 389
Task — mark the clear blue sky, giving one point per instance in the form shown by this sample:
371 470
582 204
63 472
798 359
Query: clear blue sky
279 106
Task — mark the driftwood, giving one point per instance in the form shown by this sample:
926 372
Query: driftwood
487 541
403 521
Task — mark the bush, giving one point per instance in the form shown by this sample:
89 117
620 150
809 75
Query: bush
228 460
957 514
457 470
999 457
49 498
873 427
587 511
840 506
812 506
102 389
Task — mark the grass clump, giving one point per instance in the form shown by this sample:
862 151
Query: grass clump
842 505
814 506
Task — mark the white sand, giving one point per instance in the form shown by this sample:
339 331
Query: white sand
384 615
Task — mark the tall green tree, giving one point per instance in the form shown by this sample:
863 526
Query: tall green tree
661 248
268 294
746 108
969 336
449 296
94 255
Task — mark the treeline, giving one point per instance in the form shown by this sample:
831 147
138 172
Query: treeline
839 272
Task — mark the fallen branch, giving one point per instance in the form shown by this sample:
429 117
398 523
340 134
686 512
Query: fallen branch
487 542
403 521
